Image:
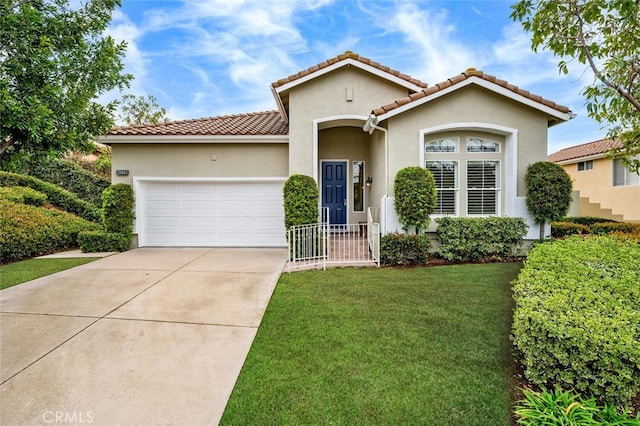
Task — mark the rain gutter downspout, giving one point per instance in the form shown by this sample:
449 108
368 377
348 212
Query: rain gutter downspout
370 126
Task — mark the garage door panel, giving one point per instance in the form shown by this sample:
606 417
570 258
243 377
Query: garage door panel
198 221
211 214
158 221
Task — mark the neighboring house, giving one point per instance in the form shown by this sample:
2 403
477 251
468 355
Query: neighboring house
604 186
350 123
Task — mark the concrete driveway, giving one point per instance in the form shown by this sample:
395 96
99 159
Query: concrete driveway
147 337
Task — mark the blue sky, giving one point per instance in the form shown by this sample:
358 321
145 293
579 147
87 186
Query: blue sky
203 58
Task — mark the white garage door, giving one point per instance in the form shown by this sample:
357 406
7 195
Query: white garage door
224 214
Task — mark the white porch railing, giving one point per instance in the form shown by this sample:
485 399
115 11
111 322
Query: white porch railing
321 244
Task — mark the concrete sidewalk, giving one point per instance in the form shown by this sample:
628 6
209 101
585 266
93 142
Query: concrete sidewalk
149 336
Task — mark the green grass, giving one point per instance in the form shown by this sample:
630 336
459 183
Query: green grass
27 270
382 346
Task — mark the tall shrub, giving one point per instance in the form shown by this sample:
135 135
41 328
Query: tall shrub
72 177
548 194
301 197
117 206
415 197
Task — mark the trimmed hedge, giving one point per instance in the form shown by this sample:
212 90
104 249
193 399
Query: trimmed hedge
102 241
301 195
586 220
564 229
609 227
117 206
27 231
72 177
56 195
23 195
464 239
404 250
577 315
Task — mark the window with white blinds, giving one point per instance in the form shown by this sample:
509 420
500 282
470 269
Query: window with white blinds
445 174
483 186
622 176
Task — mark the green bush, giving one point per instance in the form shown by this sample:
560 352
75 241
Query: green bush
72 177
463 239
404 250
576 318
548 192
102 241
301 195
560 407
117 206
609 227
416 197
586 220
23 195
56 195
564 229
27 231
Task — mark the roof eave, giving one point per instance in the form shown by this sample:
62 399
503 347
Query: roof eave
556 115
349 62
179 139
281 107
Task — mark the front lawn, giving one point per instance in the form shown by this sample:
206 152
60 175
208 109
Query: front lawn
27 270
382 346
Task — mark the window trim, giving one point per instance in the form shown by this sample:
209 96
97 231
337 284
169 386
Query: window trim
497 189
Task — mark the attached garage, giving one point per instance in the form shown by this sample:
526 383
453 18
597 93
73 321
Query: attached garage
231 212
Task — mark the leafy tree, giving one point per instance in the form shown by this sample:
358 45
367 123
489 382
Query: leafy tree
605 35
138 110
548 191
54 61
415 197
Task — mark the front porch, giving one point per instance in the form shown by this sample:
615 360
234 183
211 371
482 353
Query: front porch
324 245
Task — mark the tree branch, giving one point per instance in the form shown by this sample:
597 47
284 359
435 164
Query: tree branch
585 49
8 141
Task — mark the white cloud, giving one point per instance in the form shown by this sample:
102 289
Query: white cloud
427 38
123 29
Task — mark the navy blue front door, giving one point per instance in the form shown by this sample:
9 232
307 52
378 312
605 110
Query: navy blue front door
334 190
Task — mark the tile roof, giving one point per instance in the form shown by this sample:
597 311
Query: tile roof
584 150
347 55
471 72
251 124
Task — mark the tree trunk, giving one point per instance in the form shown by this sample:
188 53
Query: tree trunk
542 231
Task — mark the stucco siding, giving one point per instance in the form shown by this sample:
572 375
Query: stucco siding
199 160
326 96
597 185
470 105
